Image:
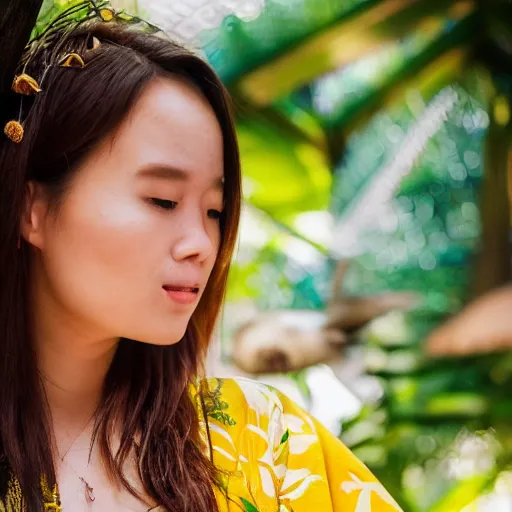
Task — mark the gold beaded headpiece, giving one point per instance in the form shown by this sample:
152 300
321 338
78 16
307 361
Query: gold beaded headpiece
62 24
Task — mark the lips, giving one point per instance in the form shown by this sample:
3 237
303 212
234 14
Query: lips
182 294
191 289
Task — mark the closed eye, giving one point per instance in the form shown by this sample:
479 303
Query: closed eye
164 204
214 214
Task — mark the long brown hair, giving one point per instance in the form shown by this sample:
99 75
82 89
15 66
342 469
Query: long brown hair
146 390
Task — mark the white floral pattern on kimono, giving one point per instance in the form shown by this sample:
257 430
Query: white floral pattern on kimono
274 457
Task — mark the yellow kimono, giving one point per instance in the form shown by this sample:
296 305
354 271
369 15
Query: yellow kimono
277 458
272 457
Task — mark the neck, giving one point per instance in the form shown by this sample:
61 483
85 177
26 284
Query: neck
73 371
73 360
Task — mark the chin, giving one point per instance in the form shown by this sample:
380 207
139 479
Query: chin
162 338
167 341
160 330
168 338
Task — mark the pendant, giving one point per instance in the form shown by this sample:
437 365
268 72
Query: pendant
89 491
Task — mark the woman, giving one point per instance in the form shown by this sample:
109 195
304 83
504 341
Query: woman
120 198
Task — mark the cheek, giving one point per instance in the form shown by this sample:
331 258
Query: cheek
110 237
216 238
100 260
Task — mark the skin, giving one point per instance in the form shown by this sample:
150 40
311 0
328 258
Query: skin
99 264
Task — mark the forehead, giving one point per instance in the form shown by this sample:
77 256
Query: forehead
171 124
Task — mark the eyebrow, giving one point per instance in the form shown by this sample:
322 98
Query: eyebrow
162 171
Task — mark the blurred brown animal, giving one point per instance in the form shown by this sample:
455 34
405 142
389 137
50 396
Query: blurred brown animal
290 340
484 326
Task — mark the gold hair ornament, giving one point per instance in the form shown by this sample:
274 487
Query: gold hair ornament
67 21
72 60
25 84
107 14
95 43
14 131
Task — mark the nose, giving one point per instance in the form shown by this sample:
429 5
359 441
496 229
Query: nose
194 242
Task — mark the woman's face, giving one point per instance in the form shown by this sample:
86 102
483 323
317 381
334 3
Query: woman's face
131 248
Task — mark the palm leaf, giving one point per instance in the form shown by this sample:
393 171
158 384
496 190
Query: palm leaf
465 492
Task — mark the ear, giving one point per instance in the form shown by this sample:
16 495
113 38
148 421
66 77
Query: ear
33 214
